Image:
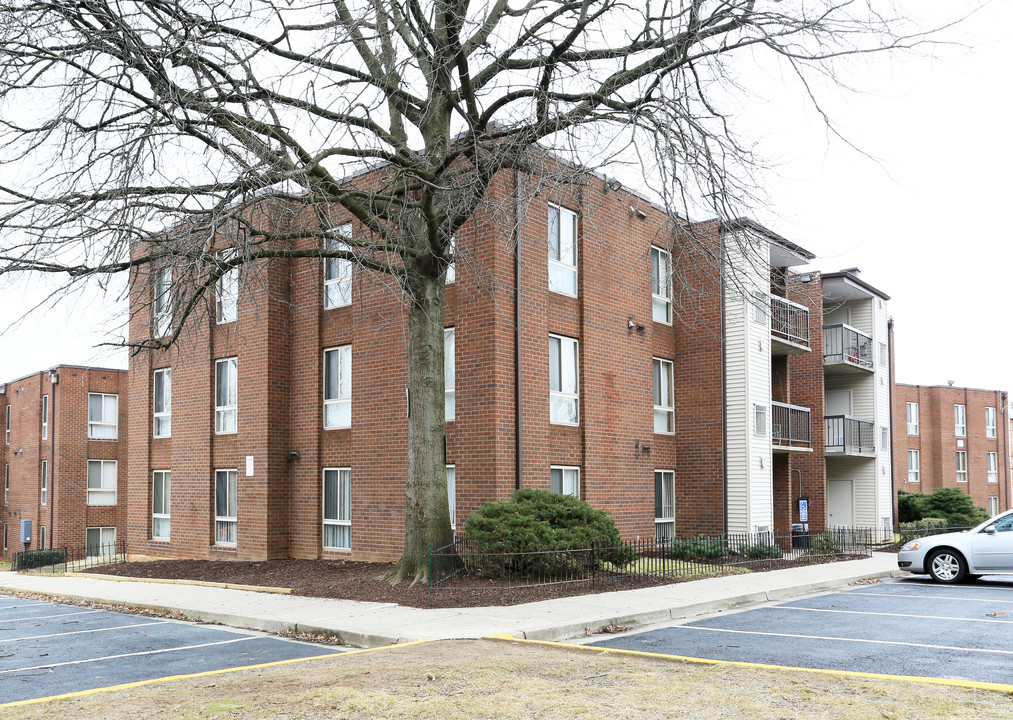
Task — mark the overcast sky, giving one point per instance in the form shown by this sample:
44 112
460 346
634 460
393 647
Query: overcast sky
920 217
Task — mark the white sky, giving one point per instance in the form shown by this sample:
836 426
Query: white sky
922 220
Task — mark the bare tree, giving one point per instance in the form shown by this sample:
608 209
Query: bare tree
134 131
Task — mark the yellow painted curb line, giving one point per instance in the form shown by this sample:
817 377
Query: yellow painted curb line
171 581
972 684
206 673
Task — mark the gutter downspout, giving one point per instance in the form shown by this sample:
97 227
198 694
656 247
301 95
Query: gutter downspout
893 469
518 395
54 380
724 385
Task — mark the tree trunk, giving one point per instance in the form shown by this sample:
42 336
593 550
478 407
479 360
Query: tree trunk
427 518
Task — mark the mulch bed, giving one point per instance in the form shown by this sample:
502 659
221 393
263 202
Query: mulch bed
364 581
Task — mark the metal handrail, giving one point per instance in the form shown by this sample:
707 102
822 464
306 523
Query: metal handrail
789 320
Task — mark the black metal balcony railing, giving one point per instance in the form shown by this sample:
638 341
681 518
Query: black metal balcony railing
849 435
844 344
790 426
789 321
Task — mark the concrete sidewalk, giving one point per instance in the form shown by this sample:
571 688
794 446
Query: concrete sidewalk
366 624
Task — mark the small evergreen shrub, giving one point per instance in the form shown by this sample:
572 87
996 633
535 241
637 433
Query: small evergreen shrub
699 548
921 528
826 543
761 551
38 558
951 504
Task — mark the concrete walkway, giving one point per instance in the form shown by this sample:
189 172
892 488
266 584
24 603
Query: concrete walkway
366 624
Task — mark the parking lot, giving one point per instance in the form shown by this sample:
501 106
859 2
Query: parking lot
50 649
905 626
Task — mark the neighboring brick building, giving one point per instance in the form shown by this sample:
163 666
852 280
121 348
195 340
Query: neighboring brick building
64 457
953 437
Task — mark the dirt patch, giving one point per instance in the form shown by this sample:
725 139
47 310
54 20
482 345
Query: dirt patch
505 681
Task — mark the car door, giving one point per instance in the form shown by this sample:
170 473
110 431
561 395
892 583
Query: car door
993 551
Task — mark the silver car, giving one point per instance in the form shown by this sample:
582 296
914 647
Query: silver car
957 556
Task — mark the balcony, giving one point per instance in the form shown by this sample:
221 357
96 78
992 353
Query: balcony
790 428
789 327
846 350
850 436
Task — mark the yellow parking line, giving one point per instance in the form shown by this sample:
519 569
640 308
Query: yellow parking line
1002 687
206 673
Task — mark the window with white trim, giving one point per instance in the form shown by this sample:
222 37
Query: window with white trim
227 291
760 304
226 507
992 465
45 417
564 480
884 438
452 494
102 482
449 374
161 385
161 307
912 418
664 505
664 404
338 271
7 483
884 355
100 541
913 466
564 386
42 537
960 420
993 505
226 395
103 416
661 285
161 504
562 250
990 422
338 387
961 466
451 275
760 420
337 509
44 483
7 426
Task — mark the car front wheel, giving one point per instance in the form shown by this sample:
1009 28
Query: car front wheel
947 566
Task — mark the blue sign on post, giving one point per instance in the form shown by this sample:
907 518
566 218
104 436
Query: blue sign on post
803 510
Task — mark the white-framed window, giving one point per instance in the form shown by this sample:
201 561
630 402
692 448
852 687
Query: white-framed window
226 507
884 355
664 505
760 420
161 504
451 276
993 505
990 422
42 537
913 466
227 291
338 271
7 483
452 494
992 464
760 304
884 438
44 483
102 482
449 373
161 402
226 395
564 386
7 425
45 417
100 541
912 418
338 387
960 420
562 250
961 466
564 480
161 307
103 416
338 508
661 285
664 404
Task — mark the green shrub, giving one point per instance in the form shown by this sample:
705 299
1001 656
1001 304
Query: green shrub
826 543
761 551
951 504
39 558
540 521
921 528
699 548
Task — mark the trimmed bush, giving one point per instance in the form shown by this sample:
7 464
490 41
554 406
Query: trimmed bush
761 551
699 548
921 528
951 504
826 543
38 558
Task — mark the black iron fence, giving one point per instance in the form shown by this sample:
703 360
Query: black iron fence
69 559
462 564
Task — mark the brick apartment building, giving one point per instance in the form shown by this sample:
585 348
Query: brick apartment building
64 456
953 437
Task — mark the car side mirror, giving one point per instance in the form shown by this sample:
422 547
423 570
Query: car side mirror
990 530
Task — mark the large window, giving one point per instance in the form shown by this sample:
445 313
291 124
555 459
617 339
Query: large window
913 466
102 482
959 420
992 464
103 416
664 405
664 505
564 480
338 271
162 402
452 494
661 285
912 418
338 387
226 507
564 399
990 422
45 417
227 291
44 484
961 466
100 541
338 508
161 503
226 395
449 374
562 251
162 302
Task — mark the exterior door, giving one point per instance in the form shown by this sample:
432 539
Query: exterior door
838 403
840 504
